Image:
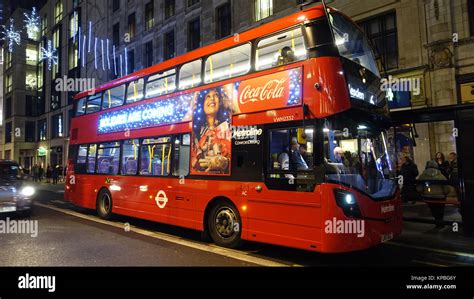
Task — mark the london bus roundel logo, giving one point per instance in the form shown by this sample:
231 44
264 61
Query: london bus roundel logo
161 199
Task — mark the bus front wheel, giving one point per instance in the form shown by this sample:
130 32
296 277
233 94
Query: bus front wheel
104 204
224 225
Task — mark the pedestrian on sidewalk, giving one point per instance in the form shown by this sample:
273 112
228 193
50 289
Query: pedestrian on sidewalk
35 173
55 174
409 172
40 173
49 172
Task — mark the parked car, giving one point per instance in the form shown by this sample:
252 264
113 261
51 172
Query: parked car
16 195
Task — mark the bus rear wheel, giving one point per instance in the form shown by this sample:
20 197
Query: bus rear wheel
224 225
104 204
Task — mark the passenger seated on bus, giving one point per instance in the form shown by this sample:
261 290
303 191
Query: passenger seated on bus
286 56
338 155
292 159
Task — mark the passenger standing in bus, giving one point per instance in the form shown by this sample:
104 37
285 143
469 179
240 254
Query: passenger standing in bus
212 133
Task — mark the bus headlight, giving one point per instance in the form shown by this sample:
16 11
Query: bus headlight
348 203
27 191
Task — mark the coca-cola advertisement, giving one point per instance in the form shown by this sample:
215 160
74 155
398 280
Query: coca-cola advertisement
212 118
278 90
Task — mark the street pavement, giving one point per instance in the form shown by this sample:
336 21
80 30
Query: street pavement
71 236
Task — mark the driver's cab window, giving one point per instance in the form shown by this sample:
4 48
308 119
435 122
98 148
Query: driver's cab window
291 152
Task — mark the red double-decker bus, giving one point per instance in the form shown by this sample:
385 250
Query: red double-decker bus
275 135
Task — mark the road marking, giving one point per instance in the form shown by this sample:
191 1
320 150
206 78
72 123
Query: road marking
430 264
177 240
455 253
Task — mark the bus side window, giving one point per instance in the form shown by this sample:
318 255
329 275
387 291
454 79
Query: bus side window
113 97
155 156
227 64
135 91
91 153
80 161
108 157
161 83
93 103
190 74
181 155
81 107
280 49
130 150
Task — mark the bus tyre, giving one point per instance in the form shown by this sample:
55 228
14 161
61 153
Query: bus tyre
224 225
104 204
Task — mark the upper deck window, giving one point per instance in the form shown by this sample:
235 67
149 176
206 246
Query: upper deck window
227 64
113 97
93 103
81 107
281 49
135 91
161 83
190 74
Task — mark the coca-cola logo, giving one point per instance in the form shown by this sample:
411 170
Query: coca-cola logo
273 89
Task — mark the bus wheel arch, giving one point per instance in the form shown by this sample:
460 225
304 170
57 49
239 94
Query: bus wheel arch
226 228
104 203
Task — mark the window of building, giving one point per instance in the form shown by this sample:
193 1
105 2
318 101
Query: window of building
8 107
181 155
280 49
31 54
192 2
29 105
91 155
194 34
73 55
161 83
40 102
8 132
58 11
135 91
55 99
8 59
155 156
56 45
227 64
113 97
108 158
74 21
42 129
169 8
131 61
116 34
115 5
148 54
382 32
190 74
93 103
30 127
9 83
263 9
40 74
57 126
149 16
31 80
470 9
224 21
44 25
130 149
169 49
132 25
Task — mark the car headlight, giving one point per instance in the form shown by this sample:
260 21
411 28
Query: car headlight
27 191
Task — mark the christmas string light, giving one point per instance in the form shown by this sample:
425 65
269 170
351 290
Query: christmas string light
32 23
11 35
50 55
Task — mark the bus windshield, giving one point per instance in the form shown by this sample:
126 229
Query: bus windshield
357 155
352 43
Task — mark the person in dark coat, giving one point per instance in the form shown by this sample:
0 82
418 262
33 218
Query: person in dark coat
443 165
409 172
55 174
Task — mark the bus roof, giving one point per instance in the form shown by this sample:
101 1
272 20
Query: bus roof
245 36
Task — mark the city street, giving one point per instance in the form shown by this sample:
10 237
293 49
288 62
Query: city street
69 236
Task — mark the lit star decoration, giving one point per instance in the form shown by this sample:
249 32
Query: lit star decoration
50 55
160 112
32 23
295 87
11 35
